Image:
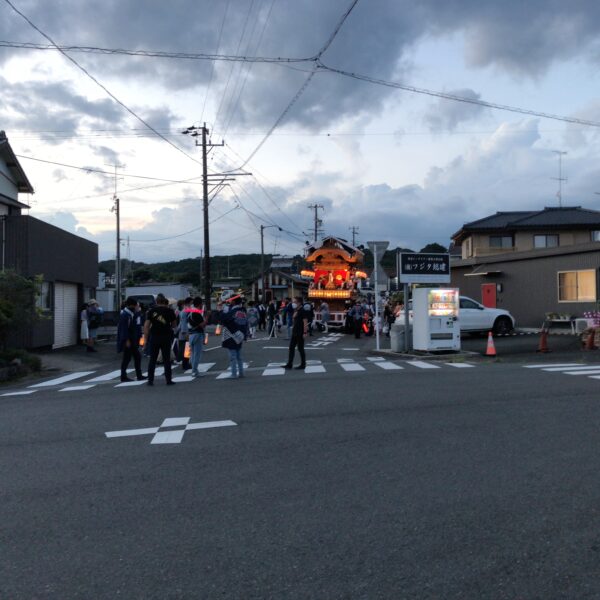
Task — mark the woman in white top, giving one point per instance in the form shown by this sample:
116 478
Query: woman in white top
84 332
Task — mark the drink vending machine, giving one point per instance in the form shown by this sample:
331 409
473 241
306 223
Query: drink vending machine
435 319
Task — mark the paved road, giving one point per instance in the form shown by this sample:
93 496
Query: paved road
473 481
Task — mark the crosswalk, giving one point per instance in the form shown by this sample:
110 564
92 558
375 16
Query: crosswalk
592 371
85 380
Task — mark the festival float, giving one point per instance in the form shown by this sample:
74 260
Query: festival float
334 276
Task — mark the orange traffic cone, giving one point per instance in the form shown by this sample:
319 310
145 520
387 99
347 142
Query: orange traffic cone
491 349
543 347
589 345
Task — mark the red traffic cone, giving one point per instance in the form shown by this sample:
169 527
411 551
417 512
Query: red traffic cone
543 346
491 349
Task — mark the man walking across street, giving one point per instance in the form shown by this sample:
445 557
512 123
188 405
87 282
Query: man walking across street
128 339
299 332
195 324
159 325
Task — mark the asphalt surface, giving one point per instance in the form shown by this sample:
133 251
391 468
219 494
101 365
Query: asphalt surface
477 481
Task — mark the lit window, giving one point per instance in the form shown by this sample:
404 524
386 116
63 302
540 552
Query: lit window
545 241
44 297
501 241
595 236
577 286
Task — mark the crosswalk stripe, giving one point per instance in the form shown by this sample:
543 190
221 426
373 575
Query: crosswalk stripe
545 366
107 377
459 365
375 358
572 368
386 365
205 367
77 388
130 383
183 379
586 372
22 393
63 379
422 365
314 369
273 369
351 366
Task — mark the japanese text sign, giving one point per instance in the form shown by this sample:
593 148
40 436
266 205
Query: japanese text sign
424 268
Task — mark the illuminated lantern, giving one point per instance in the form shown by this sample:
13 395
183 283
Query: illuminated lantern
187 353
365 328
142 342
218 329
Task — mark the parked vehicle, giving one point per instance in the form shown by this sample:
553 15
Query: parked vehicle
476 318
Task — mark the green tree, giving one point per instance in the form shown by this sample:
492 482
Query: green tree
17 303
434 248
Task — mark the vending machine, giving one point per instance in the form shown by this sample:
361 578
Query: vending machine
435 319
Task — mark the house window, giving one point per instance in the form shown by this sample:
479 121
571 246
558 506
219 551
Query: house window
595 236
577 286
501 241
44 297
545 241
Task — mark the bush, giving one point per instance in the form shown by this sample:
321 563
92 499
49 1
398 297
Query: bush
29 360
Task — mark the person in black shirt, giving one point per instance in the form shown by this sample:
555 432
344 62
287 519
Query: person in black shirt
299 332
128 339
160 321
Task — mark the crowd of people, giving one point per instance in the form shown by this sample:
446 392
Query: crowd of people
172 332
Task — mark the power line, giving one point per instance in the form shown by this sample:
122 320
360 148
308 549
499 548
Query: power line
108 173
456 98
102 86
156 53
306 83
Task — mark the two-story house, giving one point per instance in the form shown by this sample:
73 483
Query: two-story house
531 262
67 263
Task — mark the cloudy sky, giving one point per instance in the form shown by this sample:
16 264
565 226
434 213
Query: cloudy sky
403 166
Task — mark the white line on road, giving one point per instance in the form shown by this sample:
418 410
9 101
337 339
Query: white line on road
349 365
128 432
25 393
274 369
77 388
107 376
131 383
63 379
572 368
387 365
586 372
460 365
210 425
545 366
422 365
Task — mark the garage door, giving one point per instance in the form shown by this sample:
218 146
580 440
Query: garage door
65 315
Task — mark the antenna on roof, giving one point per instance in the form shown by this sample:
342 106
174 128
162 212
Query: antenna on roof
560 178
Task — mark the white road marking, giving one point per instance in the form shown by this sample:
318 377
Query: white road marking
183 379
63 379
387 365
421 364
545 366
572 368
174 436
275 347
460 365
25 393
205 367
131 383
350 349
587 372
314 366
375 358
349 365
107 376
77 388
274 369
224 375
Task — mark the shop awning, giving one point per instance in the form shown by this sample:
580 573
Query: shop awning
484 274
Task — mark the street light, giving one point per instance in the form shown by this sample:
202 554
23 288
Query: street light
262 258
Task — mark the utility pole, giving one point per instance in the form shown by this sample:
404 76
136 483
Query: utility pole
262 258
354 230
194 132
560 178
318 222
116 208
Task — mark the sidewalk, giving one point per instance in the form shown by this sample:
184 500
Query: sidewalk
76 358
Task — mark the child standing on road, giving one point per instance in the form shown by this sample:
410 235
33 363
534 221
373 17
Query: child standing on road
235 331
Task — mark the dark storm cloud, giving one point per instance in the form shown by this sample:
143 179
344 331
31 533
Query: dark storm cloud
516 36
53 108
